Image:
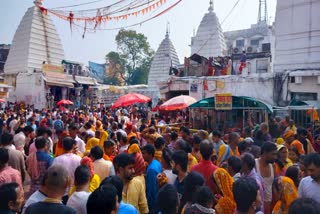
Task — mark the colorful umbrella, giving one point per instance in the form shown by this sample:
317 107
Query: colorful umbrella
130 99
177 103
2 100
65 102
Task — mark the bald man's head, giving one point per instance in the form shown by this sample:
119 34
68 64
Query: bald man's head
56 179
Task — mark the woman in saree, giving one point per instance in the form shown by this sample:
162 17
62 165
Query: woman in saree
224 196
285 192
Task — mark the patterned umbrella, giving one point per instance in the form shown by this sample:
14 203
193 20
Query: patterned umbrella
177 103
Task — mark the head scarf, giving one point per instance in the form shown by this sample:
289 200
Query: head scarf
134 148
288 134
287 194
224 181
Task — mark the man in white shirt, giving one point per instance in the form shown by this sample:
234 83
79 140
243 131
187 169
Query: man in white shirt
102 167
73 130
12 124
78 200
19 139
309 187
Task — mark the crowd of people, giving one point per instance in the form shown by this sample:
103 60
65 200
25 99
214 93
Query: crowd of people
119 161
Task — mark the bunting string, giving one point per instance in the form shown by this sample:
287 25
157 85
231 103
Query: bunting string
113 12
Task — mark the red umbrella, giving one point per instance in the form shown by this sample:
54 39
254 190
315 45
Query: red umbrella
130 99
156 108
65 102
2 100
177 103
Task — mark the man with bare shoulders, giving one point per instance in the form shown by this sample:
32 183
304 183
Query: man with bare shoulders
265 168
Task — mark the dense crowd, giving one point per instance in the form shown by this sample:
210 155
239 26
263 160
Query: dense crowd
119 161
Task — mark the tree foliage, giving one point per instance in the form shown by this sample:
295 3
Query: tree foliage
133 59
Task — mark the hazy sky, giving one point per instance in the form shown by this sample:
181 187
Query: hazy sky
184 19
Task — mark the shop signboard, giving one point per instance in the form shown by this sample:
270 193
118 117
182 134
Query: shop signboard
55 75
3 94
52 68
223 101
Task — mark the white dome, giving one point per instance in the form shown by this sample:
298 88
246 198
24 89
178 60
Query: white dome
165 57
209 40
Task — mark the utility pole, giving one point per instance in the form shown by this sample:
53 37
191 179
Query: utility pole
263 12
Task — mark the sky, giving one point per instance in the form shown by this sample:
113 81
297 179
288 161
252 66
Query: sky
184 20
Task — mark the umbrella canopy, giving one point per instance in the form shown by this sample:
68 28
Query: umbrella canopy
65 102
130 99
2 100
177 103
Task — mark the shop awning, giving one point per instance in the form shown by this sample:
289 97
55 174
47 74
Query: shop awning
57 82
238 102
86 80
307 103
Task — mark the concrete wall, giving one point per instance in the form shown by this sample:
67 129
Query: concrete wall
259 86
256 86
309 85
297 31
30 89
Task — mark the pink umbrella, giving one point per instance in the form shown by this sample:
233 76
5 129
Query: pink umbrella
65 102
177 103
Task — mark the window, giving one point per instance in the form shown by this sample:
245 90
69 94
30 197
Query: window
240 43
254 42
303 96
266 47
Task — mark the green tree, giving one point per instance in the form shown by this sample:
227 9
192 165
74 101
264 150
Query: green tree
136 56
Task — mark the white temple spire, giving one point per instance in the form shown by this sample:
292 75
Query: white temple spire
35 40
209 40
168 30
165 57
211 6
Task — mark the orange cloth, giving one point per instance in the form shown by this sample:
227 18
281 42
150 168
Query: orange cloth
130 135
191 161
107 157
224 181
298 145
288 134
287 194
103 137
237 153
59 148
134 148
158 155
312 112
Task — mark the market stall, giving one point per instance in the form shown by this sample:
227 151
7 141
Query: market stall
226 112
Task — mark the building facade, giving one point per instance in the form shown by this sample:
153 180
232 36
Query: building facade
297 50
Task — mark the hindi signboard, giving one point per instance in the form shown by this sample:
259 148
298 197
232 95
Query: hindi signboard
223 101
52 68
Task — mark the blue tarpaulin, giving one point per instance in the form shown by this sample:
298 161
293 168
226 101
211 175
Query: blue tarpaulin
97 71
